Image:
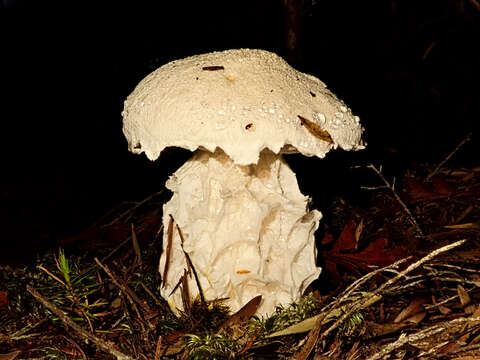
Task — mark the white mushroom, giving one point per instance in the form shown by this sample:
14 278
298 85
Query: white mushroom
247 227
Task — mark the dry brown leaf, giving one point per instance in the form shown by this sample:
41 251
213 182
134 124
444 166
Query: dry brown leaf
463 295
465 300
381 316
242 315
358 232
375 329
377 253
416 190
310 342
3 298
475 314
444 310
10 356
415 307
417 318
172 344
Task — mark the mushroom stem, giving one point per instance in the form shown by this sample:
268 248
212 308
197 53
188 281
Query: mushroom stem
247 231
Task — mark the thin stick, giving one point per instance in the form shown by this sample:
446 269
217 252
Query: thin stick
334 311
149 292
49 273
168 251
75 345
130 295
420 335
357 283
190 264
21 333
439 166
416 264
123 287
118 247
106 215
136 247
378 292
399 199
133 208
104 345
185 292
158 348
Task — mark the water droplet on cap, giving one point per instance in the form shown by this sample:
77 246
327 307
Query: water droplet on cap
321 117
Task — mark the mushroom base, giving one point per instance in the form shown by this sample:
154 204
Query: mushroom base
246 229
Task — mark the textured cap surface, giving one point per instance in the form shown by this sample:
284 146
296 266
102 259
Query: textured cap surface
241 101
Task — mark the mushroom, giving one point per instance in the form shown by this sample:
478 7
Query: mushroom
246 226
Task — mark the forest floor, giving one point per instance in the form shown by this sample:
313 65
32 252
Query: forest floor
400 280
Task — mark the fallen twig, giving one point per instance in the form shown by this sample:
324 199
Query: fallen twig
20 334
76 346
118 247
420 335
343 312
378 293
168 251
439 166
129 292
391 187
133 208
136 247
149 292
104 345
126 292
190 265
131 296
416 264
10 356
158 348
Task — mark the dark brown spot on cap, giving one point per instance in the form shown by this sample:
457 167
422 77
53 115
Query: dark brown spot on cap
213 68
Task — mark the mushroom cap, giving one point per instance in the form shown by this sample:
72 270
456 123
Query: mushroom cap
242 101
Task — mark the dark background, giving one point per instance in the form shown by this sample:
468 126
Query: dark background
409 69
